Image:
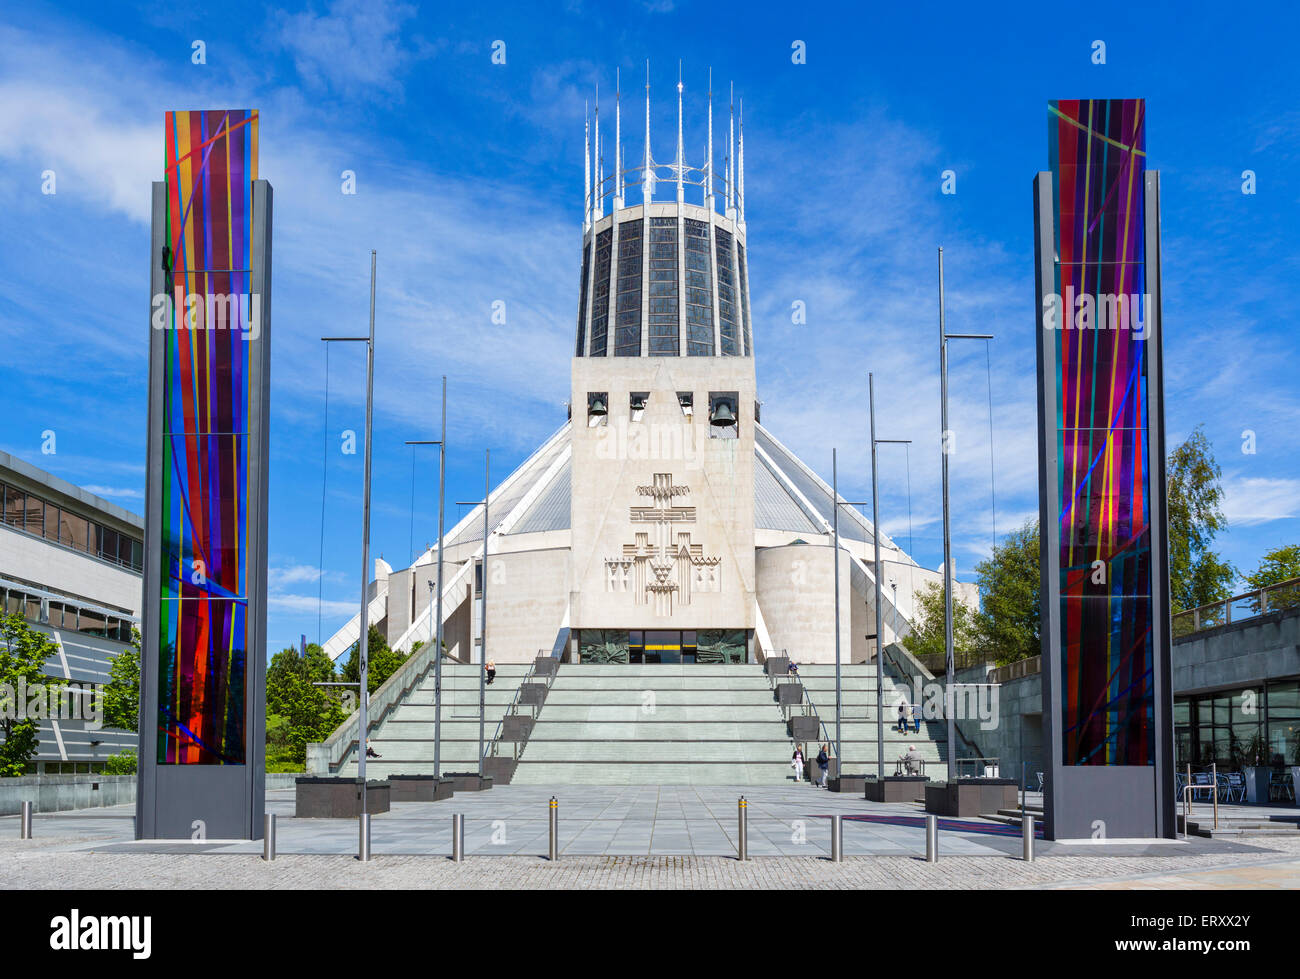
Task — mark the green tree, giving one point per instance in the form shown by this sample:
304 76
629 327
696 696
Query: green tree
1197 575
1009 585
122 693
383 661
927 641
23 654
1278 565
121 764
297 711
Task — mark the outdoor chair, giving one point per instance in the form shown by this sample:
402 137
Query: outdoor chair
1203 787
1236 787
1041 781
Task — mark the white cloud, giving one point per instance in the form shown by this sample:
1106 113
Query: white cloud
357 47
130 494
1255 500
309 603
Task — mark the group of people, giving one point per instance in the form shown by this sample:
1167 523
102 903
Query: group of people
906 715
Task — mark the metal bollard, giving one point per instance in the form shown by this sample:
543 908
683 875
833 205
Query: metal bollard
931 839
554 852
742 829
363 845
837 839
268 837
25 822
1027 831
458 837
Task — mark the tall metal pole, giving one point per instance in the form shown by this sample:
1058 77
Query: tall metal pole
364 651
875 537
482 598
949 700
835 558
437 652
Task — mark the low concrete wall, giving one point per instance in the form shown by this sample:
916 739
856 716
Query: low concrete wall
59 793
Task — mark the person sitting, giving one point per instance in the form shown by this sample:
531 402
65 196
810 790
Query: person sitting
911 760
491 671
371 752
792 669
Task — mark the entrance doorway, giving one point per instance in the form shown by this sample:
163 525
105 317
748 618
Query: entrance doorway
669 646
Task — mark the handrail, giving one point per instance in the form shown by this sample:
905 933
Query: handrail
494 746
1220 613
806 702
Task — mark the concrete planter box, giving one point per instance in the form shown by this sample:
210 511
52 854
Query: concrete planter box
776 665
896 788
545 666
499 769
338 798
971 796
1256 784
472 781
516 727
532 694
854 784
419 788
804 727
813 772
789 694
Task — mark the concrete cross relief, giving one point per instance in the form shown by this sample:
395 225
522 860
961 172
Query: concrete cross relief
663 562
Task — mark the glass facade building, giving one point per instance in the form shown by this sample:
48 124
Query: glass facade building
1239 728
674 283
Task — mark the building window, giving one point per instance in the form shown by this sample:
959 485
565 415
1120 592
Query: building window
699 290
728 313
686 400
582 301
15 508
600 294
744 298
597 408
636 404
663 312
627 323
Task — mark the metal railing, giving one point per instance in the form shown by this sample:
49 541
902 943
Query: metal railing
1284 594
493 749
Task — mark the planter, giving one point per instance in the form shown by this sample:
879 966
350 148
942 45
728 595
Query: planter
516 727
804 727
419 788
533 694
855 784
1257 777
776 665
545 666
971 796
338 798
814 772
789 694
499 769
470 781
895 788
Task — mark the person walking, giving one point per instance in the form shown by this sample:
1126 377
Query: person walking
491 670
823 763
901 727
797 763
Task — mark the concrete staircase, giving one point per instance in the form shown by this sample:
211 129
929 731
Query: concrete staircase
858 715
644 725
658 724
405 738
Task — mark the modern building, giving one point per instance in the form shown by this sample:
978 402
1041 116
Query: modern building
662 522
70 563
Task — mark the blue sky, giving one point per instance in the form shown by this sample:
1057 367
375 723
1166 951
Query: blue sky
469 179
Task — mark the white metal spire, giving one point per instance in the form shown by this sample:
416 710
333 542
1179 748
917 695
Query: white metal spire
740 180
681 150
586 166
647 174
618 142
599 193
731 153
708 157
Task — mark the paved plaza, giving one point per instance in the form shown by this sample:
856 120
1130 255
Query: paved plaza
624 837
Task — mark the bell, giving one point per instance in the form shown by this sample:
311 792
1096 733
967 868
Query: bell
722 415
597 407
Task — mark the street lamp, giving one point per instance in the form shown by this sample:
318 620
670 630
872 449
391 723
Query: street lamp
435 608
944 337
482 600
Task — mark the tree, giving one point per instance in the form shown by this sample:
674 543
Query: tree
1009 584
121 764
927 640
1278 565
23 654
122 693
1197 575
383 661
297 711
